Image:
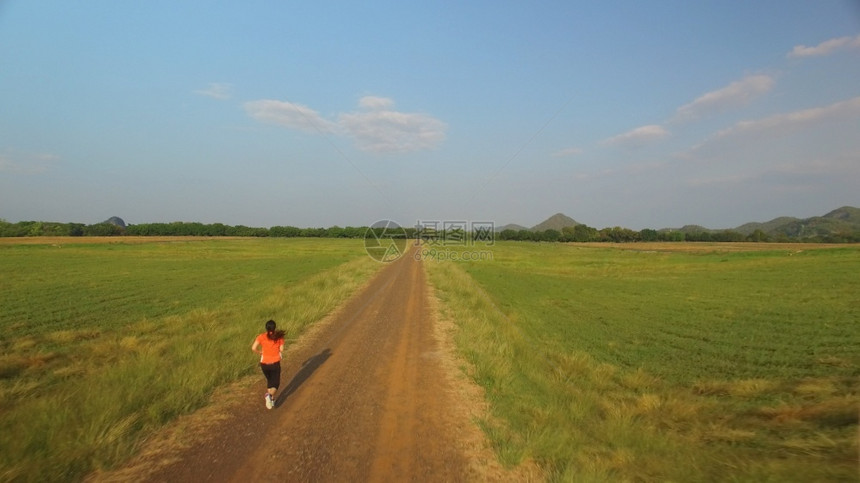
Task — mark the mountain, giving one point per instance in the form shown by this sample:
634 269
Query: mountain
555 222
768 227
511 226
846 213
115 220
839 222
690 229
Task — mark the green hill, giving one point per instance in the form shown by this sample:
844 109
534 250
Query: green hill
555 222
768 227
511 226
839 222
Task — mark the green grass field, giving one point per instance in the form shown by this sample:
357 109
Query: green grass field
103 343
602 364
599 364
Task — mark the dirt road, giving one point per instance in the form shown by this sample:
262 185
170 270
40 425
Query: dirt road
364 398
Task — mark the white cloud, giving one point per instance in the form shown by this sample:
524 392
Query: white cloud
736 94
825 48
381 129
372 102
289 115
782 124
804 118
376 128
216 90
638 137
567 152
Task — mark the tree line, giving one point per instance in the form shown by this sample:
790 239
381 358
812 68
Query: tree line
177 228
578 233
584 233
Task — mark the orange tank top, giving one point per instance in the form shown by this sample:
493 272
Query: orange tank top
271 349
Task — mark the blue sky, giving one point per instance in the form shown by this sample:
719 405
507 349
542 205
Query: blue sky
616 113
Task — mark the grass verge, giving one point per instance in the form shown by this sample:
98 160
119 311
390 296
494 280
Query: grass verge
81 386
607 365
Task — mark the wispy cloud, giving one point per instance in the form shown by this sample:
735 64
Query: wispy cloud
27 164
380 129
825 48
736 94
373 102
807 117
376 127
782 124
289 115
638 137
217 90
567 152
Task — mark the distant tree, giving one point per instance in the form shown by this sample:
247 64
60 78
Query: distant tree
194 229
782 238
355 231
76 229
216 229
584 233
567 234
618 235
35 229
13 229
699 236
314 232
103 229
55 229
525 235
758 236
648 235
672 236
550 235
284 231
727 236
334 232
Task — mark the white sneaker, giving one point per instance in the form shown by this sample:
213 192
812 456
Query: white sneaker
269 403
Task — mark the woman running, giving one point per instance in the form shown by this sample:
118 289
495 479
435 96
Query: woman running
270 346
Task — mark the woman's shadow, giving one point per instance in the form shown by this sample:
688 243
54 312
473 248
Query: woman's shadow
308 368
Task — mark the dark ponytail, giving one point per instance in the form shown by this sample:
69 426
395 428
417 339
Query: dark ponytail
273 334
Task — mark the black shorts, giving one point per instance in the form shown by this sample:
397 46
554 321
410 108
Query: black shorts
272 373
